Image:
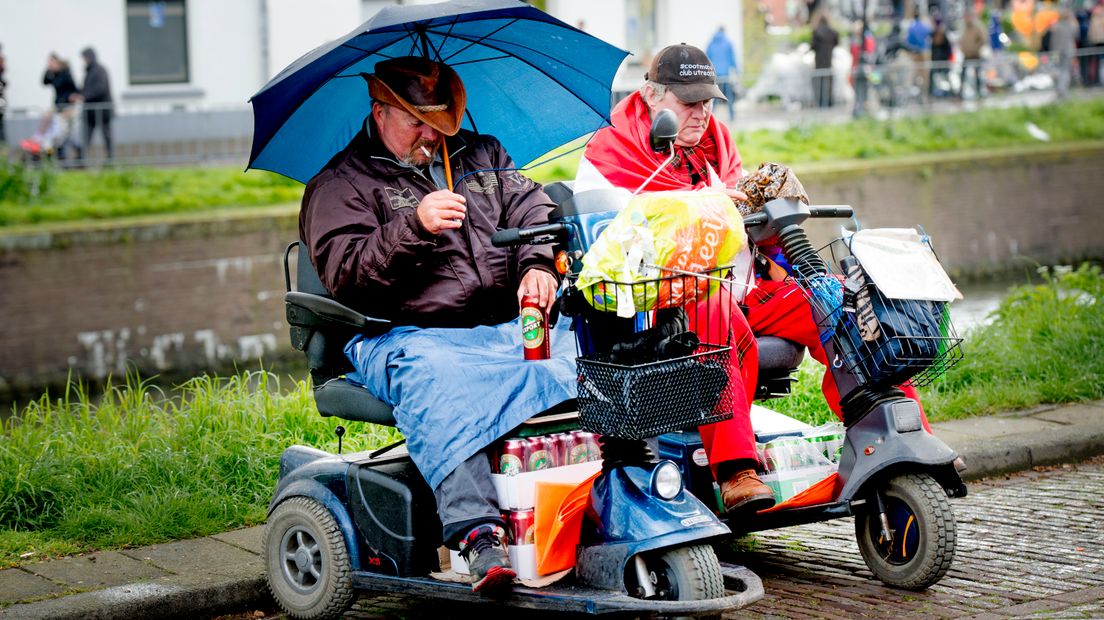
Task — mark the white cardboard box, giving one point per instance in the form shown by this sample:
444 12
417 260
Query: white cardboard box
518 492
523 559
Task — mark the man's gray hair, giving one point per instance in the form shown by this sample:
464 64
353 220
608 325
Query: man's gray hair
660 89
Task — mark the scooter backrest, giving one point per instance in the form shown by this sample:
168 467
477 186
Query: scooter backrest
319 325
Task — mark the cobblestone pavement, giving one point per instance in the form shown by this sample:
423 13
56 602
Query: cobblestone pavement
1029 546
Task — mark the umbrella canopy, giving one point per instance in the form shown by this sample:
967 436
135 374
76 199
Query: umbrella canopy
532 81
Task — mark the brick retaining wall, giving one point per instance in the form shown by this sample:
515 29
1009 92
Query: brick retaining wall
179 295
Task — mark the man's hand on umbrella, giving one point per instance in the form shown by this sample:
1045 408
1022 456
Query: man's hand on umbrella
541 284
441 211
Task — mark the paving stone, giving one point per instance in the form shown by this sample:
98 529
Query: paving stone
205 555
96 570
1082 596
248 538
1032 607
18 585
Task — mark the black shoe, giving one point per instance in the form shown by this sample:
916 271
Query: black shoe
484 549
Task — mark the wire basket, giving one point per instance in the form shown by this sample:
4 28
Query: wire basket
882 341
646 400
665 367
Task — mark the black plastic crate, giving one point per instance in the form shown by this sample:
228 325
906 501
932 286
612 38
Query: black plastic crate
641 401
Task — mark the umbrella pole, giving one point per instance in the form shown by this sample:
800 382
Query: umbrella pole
448 168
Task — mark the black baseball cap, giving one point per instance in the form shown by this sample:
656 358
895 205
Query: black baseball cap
687 71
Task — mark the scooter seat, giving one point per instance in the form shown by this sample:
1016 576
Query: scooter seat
341 399
778 353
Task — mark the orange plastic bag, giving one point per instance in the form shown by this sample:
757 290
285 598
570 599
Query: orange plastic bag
822 492
558 521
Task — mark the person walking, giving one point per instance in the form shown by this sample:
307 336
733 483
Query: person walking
972 45
96 95
723 57
57 133
3 105
1063 47
918 41
1095 40
825 40
940 59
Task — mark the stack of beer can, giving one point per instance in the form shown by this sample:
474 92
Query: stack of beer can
518 456
536 453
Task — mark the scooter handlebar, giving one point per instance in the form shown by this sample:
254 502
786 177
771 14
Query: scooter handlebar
532 235
842 211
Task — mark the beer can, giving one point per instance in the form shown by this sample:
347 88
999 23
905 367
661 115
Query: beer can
534 329
563 442
585 444
552 446
522 527
514 457
538 458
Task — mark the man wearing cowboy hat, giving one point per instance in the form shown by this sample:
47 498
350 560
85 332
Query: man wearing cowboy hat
398 226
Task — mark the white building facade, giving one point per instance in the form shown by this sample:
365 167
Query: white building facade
185 53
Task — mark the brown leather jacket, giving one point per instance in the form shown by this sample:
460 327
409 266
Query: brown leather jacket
372 253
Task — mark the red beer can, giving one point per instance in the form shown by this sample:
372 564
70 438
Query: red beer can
539 457
522 526
534 329
588 449
563 443
514 457
554 457
575 448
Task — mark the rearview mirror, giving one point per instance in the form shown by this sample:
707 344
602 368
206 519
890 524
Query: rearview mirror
665 129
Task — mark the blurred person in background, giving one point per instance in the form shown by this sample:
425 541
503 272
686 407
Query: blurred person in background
1094 39
918 42
56 129
3 105
1063 48
972 44
941 53
723 57
96 95
825 40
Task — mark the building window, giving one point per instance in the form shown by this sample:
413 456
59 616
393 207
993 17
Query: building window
157 41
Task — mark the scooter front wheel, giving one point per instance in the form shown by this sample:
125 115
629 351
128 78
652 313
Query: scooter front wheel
690 573
306 563
922 529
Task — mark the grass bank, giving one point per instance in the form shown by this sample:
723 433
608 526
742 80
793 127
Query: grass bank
138 466
31 196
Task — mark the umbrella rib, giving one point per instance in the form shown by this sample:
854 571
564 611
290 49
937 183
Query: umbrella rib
545 73
469 62
482 41
472 43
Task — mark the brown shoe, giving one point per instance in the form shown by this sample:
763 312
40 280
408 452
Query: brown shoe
745 492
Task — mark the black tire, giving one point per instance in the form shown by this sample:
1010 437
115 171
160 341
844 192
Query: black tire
681 574
923 545
306 562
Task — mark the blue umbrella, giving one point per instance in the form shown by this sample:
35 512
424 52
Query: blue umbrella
532 81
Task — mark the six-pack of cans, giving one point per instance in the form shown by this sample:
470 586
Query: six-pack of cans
536 453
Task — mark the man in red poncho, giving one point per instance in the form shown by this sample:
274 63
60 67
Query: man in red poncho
682 80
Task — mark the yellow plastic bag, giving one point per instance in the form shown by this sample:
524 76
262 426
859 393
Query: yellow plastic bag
686 231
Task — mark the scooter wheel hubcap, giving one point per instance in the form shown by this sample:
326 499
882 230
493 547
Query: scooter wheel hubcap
302 559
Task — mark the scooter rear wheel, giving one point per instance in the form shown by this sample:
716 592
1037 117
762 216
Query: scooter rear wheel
923 526
306 562
690 573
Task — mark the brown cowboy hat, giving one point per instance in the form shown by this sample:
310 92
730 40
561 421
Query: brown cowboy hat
431 91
